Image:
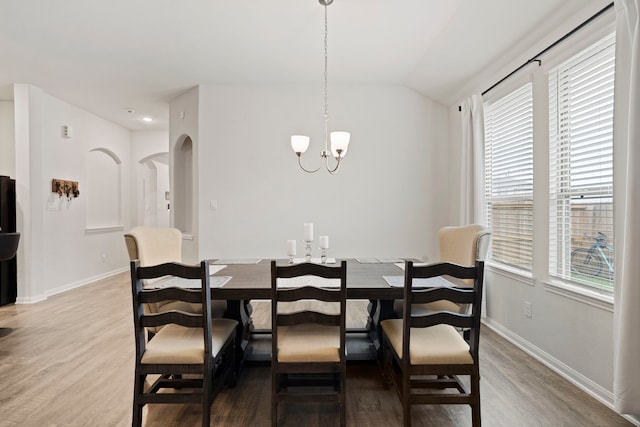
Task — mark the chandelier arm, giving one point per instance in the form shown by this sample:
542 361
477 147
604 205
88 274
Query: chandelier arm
307 170
334 170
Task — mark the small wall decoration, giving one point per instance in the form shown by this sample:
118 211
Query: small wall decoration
67 188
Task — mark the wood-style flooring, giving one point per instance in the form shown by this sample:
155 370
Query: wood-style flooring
68 361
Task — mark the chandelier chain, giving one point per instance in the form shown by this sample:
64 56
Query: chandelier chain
326 57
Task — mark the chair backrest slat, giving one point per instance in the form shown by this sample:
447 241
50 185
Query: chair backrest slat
454 319
157 295
308 317
308 292
457 295
442 269
170 269
304 269
189 320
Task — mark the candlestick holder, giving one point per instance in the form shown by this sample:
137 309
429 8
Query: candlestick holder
323 256
308 250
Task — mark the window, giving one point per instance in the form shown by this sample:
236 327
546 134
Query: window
509 177
581 166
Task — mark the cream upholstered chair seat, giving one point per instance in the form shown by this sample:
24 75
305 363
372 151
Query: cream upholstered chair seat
439 344
176 344
294 345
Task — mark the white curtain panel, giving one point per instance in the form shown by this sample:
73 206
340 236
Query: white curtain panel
626 385
472 158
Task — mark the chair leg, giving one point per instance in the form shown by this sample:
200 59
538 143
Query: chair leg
229 358
406 399
476 420
138 389
207 397
274 398
387 375
343 399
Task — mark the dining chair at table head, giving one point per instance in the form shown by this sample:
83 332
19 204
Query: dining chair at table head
192 354
308 346
425 354
462 245
158 245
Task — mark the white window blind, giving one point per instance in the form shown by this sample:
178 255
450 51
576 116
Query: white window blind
509 177
581 166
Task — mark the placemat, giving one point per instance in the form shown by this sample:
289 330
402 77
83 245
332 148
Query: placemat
308 280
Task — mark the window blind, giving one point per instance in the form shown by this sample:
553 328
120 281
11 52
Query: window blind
581 92
509 177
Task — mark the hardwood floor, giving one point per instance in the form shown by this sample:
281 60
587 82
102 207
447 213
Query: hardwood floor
68 361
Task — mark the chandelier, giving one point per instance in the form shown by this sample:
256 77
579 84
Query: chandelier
339 139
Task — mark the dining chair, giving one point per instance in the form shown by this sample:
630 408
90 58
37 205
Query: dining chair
461 245
308 354
158 245
425 354
193 354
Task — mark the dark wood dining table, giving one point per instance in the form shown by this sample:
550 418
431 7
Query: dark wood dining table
253 282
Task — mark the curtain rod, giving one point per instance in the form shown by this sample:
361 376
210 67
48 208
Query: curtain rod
551 46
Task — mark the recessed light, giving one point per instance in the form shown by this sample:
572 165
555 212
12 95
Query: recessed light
147 119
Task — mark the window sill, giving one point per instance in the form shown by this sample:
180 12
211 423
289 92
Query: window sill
108 228
581 294
521 276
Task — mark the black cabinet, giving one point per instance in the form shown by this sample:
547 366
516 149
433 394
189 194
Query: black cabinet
8 268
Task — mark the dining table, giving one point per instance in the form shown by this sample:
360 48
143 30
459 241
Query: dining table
247 280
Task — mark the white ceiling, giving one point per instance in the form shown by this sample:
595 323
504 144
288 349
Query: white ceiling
110 55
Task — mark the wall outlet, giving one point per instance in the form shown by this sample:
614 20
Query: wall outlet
528 309
103 257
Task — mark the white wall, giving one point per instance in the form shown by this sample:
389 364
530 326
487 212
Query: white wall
59 253
7 139
383 202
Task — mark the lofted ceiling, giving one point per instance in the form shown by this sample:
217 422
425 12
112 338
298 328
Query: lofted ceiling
111 56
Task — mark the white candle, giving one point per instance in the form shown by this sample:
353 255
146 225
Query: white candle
324 242
291 247
308 232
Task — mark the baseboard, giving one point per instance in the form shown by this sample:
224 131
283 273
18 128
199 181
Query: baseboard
31 300
576 378
69 286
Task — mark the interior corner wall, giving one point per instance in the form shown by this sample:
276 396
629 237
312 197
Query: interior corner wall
7 139
58 242
454 173
29 180
184 119
384 201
